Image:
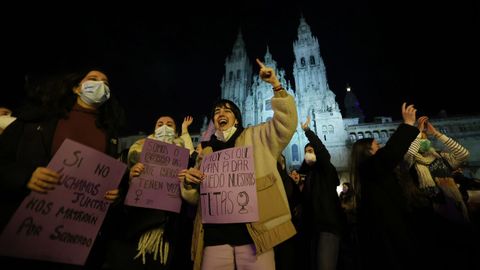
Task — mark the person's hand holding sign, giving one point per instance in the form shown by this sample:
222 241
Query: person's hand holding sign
191 176
43 179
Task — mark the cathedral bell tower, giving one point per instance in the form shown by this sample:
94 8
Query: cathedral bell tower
315 99
238 74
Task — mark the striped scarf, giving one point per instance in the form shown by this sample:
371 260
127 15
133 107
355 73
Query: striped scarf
422 162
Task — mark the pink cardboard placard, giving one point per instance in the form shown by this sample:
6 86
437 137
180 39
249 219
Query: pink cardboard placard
228 193
61 225
158 186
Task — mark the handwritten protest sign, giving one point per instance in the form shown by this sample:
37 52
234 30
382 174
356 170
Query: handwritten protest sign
158 186
228 193
61 225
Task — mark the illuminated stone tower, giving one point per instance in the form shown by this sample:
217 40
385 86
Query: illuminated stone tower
315 99
238 74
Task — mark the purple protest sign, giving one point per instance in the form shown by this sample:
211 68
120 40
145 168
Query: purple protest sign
158 186
61 225
228 193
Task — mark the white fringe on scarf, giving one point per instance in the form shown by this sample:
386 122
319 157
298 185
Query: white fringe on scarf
152 242
425 179
447 185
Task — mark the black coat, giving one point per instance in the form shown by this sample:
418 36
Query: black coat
25 145
321 211
383 217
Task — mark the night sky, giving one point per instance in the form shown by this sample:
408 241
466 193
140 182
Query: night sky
171 60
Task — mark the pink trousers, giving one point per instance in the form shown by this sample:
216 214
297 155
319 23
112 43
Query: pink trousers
227 257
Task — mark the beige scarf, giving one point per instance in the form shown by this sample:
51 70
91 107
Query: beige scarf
447 185
422 162
152 242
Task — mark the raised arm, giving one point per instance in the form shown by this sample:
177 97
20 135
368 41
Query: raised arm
398 145
277 133
268 75
415 145
456 153
323 156
187 139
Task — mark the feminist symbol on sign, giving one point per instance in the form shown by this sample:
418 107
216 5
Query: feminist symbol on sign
138 193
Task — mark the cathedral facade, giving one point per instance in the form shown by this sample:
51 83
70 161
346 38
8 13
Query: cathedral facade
314 98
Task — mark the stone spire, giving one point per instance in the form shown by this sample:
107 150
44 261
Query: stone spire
238 73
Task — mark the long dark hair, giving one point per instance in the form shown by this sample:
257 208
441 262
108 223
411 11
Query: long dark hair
360 153
54 95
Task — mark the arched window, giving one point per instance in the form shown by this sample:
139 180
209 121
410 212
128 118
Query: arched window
302 61
295 152
312 60
353 137
368 134
230 76
360 135
324 129
239 72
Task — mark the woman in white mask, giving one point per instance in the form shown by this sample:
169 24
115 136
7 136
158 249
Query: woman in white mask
246 245
77 106
150 235
322 216
165 131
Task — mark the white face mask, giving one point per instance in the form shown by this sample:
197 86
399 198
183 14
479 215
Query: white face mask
226 134
5 120
310 158
94 93
165 134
